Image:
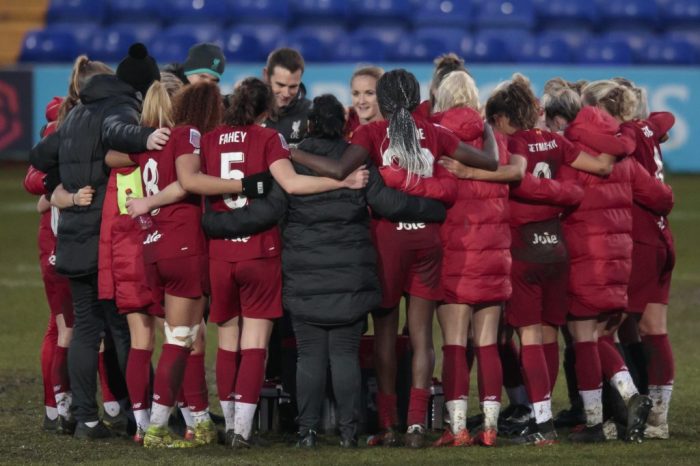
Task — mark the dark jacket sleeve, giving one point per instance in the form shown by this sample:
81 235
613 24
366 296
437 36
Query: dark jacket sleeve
259 215
397 206
44 156
121 130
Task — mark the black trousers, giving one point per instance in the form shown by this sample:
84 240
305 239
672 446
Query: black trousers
319 347
92 319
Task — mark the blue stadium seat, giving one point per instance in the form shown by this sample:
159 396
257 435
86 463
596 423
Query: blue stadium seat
636 39
566 13
263 11
691 36
543 50
328 33
506 14
142 32
388 35
202 32
310 46
170 49
602 52
439 13
681 13
267 34
133 10
243 47
628 14
668 52
110 45
512 38
414 49
82 32
486 50
306 10
76 10
574 38
452 37
175 11
46 46
362 50
376 12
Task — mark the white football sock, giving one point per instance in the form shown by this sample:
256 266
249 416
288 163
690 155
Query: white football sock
143 418
593 405
63 402
661 399
111 407
187 415
200 416
51 412
457 410
159 415
91 424
542 410
624 384
491 410
243 419
229 409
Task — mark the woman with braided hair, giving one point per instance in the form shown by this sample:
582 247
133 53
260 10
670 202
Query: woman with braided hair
406 146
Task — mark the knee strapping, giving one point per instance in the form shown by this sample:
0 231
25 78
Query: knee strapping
181 335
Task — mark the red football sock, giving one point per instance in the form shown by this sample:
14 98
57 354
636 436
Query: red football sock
551 355
251 375
194 383
59 370
508 354
535 373
589 374
490 373
455 375
386 410
226 370
610 358
418 406
138 378
169 374
661 364
107 394
48 348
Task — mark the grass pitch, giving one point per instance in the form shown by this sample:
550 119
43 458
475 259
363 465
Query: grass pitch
24 315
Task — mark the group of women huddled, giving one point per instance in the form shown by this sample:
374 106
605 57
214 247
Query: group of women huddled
526 215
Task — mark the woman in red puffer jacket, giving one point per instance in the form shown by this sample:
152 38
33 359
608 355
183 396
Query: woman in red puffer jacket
600 246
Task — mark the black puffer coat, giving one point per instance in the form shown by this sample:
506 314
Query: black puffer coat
328 260
107 117
292 120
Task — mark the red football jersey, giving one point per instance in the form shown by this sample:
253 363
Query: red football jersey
648 228
545 153
232 153
176 230
433 138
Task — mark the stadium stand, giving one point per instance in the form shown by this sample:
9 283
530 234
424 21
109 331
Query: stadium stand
530 31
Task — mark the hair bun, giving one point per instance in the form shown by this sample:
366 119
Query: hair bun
138 51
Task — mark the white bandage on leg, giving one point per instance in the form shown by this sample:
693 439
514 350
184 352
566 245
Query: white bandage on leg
181 335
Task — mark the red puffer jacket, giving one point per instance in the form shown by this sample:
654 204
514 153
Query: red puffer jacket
121 269
34 184
599 232
476 233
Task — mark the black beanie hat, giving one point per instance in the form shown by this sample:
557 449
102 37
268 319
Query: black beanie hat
138 68
205 58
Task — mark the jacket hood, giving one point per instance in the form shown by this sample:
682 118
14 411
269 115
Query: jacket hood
52 109
465 122
595 120
103 86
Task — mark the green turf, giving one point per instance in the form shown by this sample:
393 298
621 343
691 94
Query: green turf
24 315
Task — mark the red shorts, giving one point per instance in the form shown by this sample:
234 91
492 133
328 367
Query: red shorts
539 294
650 281
184 277
57 288
154 309
251 288
414 271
